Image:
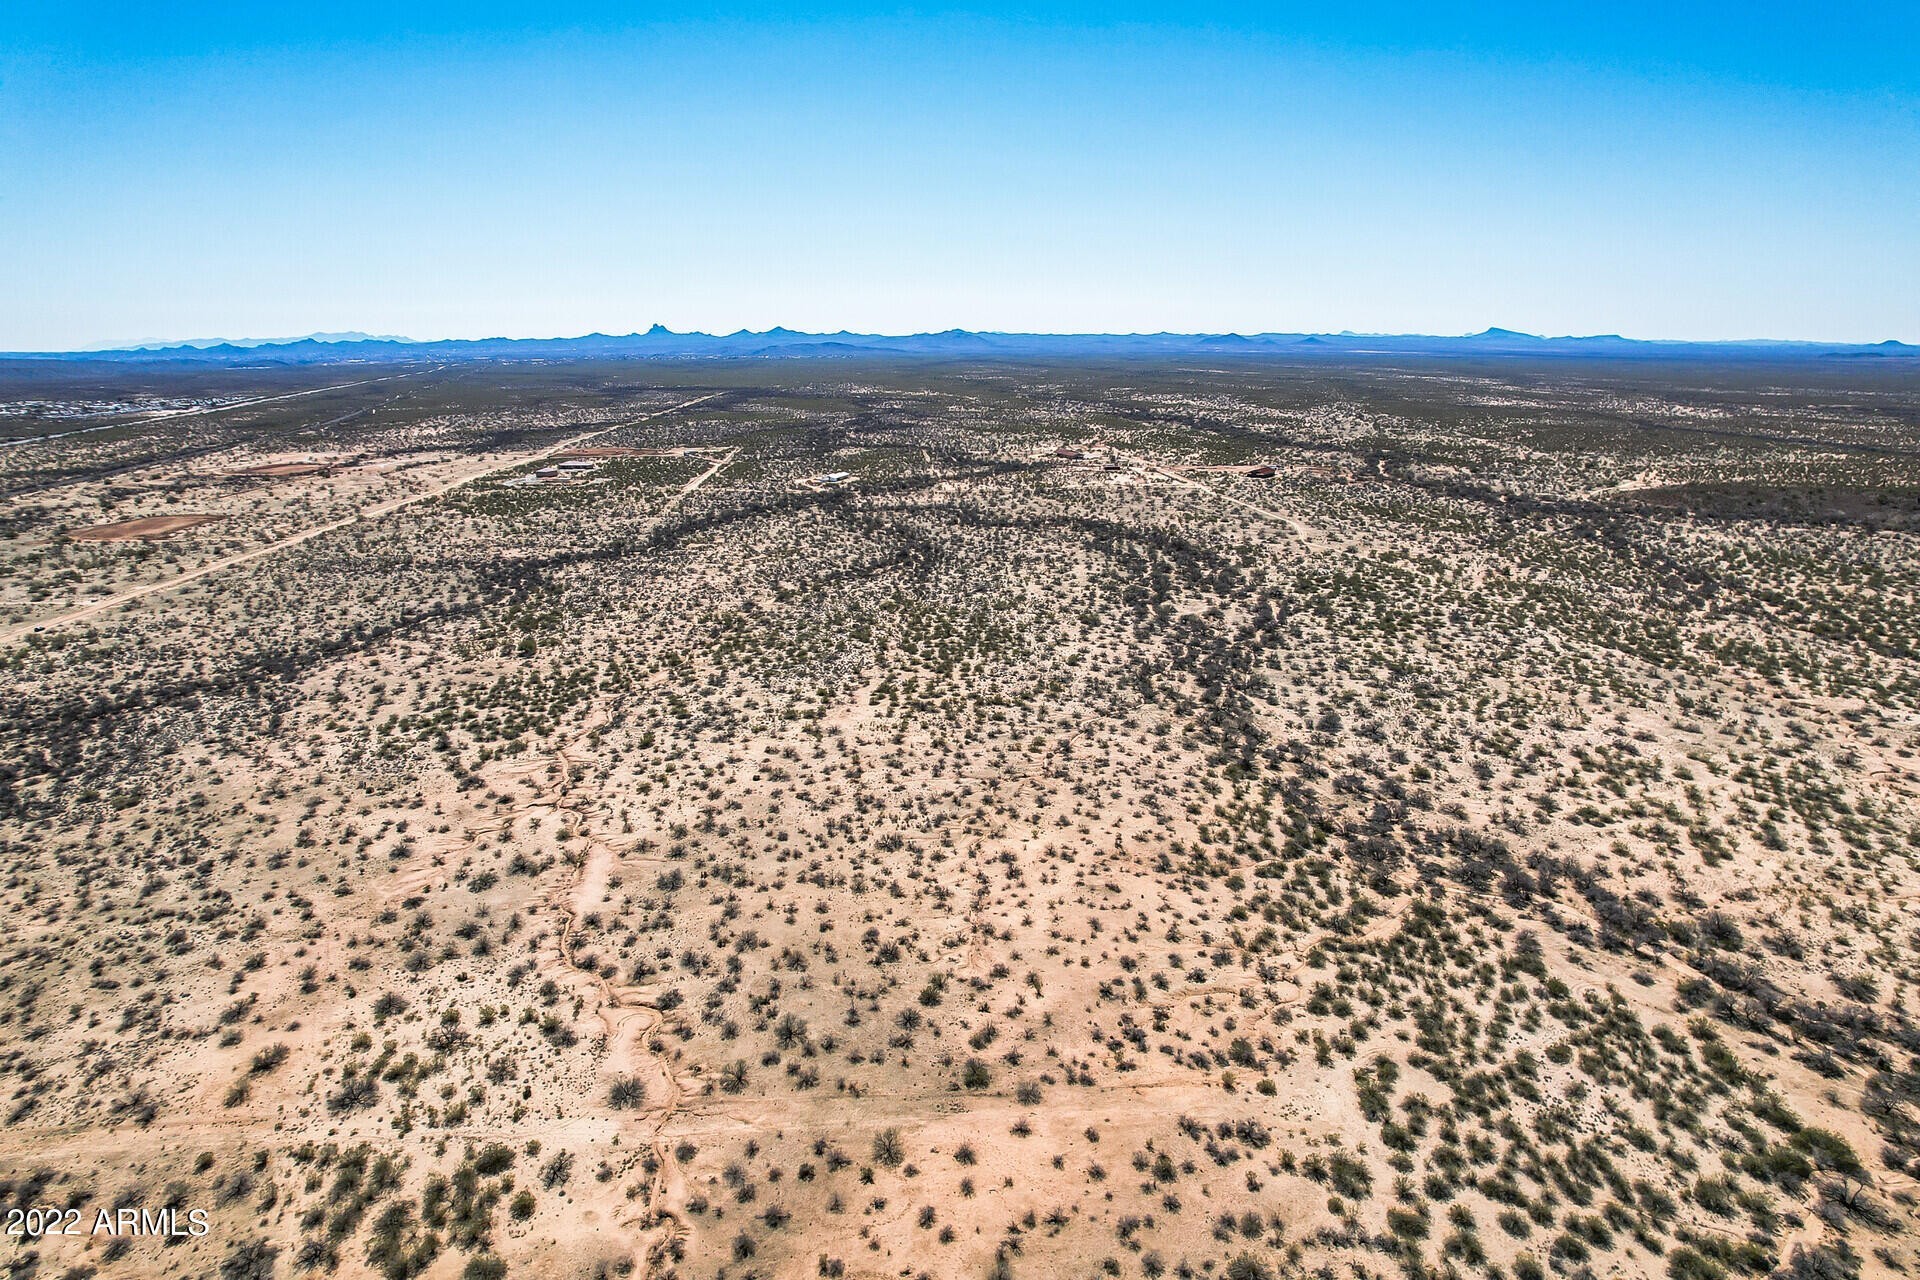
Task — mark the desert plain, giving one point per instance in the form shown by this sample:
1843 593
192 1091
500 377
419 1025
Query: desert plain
896 818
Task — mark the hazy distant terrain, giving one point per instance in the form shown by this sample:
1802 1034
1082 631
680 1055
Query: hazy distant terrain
662 343
945 816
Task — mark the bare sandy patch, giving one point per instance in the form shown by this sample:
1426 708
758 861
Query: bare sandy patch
145 529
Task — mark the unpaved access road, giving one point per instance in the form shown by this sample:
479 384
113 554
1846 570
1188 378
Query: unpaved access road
15 634
201 410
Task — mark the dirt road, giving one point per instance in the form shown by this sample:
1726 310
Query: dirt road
201 410
686 490
1300 530
15 634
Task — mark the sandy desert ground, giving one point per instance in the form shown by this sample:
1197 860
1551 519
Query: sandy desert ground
1489 845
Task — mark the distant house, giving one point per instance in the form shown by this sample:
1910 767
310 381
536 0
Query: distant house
548 473
1071 455
837 477
1263 472
577 464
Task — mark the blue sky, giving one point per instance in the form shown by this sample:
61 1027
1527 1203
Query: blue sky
1670 170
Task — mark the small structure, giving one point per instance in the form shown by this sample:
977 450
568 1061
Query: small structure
837 477
1069 453
548 473
1263 472
577 464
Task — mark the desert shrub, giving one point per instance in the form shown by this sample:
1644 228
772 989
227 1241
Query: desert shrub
494 1158
1834 1261
1686 1263
1349 1177
355 1091
250 1260
1408 1224
888 1149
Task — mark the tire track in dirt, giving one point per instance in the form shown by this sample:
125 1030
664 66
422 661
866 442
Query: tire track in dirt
628 1017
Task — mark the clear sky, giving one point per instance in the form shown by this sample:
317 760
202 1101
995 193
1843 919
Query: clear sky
1675 170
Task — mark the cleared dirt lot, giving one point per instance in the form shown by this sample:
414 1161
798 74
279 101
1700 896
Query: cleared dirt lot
145 529
282 469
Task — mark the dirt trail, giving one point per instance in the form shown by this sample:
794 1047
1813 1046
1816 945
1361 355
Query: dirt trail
627 1014
628 1018
686 490
719 1115
21 631
1312 537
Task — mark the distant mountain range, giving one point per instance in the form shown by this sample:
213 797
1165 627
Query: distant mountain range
202 344
662 343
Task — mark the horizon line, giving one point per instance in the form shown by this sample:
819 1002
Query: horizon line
355 338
